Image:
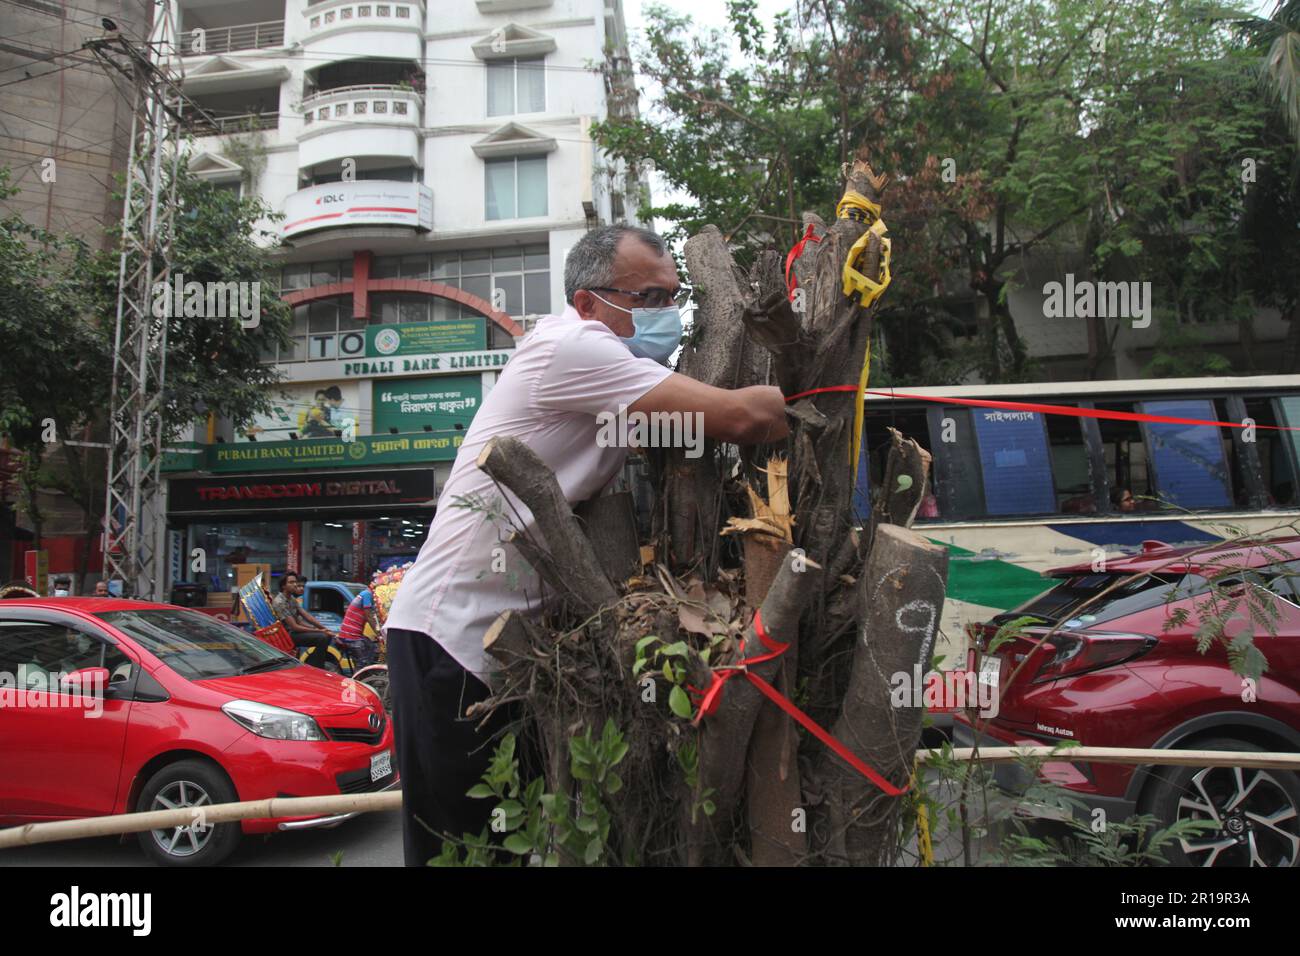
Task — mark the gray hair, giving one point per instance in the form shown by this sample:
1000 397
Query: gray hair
591 260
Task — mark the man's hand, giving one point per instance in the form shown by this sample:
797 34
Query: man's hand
742 416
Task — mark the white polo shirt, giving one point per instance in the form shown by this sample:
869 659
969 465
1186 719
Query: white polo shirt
563 374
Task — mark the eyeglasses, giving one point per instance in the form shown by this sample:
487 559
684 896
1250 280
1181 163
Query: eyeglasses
654 298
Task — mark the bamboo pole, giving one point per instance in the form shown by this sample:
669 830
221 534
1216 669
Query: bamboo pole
284 807
1261 760
274 808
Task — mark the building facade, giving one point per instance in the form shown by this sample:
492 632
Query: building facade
64 137
432 164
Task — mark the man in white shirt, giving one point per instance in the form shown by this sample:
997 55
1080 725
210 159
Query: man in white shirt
608 348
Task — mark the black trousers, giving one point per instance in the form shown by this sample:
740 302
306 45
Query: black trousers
318 641
440 754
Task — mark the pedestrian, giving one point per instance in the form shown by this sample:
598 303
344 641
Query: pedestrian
608 349
101 588
304 630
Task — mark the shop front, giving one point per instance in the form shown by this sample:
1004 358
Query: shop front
329 525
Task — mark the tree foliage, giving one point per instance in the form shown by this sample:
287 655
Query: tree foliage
1115 129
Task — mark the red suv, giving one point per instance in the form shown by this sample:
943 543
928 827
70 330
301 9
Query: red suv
1125 672
111 706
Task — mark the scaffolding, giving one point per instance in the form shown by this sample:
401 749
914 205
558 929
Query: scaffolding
135 511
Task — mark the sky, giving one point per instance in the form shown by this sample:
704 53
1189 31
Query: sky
708 12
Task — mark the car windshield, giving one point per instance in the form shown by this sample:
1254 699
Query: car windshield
196 645
1064 601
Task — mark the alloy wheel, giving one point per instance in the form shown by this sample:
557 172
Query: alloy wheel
1257 821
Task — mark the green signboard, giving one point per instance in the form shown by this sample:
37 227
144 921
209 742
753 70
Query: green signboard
436 404
420 338
313 453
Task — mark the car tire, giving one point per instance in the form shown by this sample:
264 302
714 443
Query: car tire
1257 811
188 783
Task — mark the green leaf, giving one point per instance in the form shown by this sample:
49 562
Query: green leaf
594 849
679 703
587 824
615 757
613 782
518 844
480 790
669 673
680 649
645 642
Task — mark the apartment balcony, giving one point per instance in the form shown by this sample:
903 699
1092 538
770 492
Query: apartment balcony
268 34
356 121
348 28
239 123
229 26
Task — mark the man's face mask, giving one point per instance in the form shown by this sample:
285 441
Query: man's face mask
658 331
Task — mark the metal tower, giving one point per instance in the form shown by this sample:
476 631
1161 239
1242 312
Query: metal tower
134 516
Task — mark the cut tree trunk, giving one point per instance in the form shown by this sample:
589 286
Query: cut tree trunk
724 735
902 591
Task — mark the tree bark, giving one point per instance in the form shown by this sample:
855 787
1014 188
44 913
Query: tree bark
514 465
724 735
902 592
610 525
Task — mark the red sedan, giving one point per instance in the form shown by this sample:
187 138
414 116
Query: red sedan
1125 671
111 706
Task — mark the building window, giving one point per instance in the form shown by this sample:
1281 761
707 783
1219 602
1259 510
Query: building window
317 326
516 86
517 277
515 187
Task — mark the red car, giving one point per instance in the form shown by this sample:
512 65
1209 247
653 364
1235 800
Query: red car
112 706
1125 672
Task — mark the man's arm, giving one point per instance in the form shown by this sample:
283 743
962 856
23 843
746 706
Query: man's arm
742 416
312 623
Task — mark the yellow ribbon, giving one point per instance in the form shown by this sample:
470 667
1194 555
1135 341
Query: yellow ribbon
869 290
855 200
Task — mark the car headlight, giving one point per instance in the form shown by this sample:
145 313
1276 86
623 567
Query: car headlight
274 723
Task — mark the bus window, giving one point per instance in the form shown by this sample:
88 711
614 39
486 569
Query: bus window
1190 468
1014 462
1070 471
1280 448
1237 462
875 452
1126 458
959 493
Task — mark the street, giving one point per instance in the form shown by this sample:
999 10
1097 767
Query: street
372 839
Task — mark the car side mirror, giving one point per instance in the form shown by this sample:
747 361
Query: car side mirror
88 681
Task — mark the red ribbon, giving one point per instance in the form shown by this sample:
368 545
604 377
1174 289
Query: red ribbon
791 282
712 697
1042 408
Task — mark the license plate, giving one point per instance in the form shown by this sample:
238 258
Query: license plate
991 671
381 765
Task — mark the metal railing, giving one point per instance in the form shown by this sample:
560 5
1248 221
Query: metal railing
360 92
239 36
242 123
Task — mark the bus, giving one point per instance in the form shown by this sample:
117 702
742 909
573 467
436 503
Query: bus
1016 492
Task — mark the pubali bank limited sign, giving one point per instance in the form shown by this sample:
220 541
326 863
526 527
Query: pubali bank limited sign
451 362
